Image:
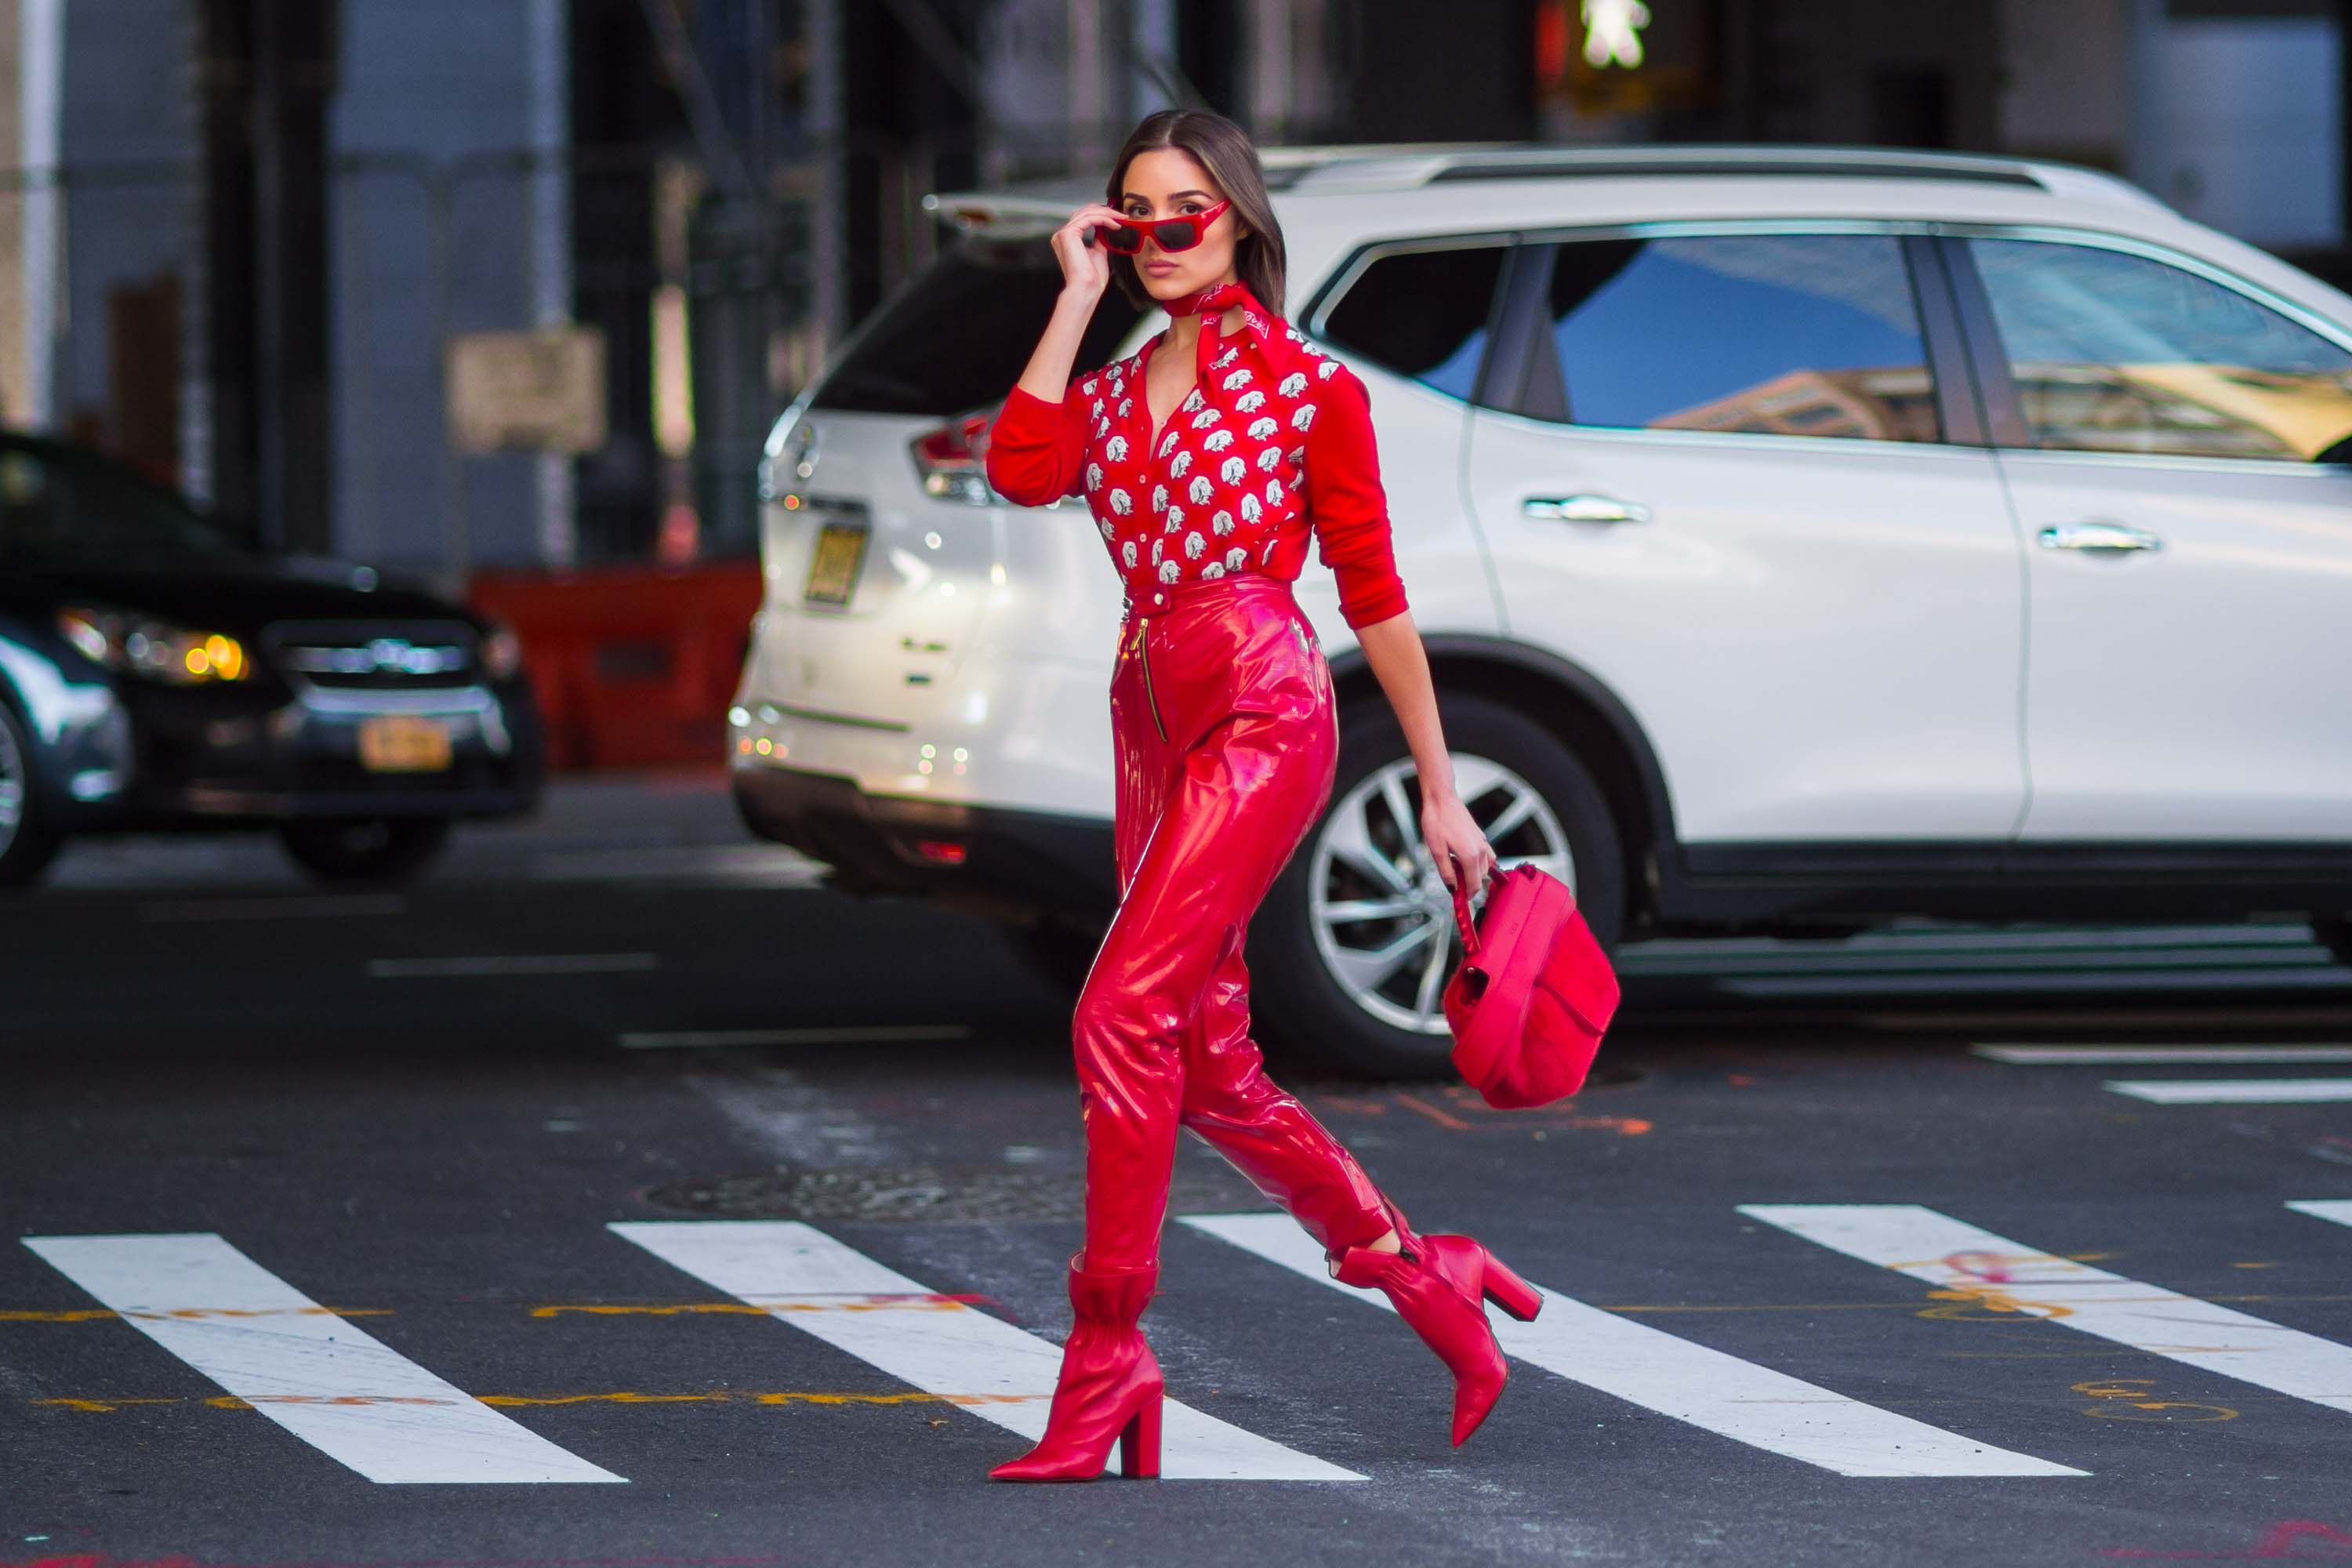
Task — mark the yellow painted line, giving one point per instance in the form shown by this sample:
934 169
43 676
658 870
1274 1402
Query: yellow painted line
762 1306
618 1396
1896 1306
109 1314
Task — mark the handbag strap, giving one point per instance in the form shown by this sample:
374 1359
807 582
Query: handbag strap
1462 911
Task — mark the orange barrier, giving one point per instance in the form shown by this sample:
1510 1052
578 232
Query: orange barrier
632 665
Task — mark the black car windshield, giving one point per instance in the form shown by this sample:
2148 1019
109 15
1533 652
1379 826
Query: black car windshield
54 501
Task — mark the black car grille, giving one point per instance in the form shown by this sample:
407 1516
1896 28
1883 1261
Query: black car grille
369 656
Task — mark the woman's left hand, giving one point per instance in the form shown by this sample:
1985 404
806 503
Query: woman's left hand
1447 828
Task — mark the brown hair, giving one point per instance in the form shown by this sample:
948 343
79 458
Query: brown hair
1226 151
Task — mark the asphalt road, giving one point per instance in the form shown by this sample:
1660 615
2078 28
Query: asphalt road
620 1197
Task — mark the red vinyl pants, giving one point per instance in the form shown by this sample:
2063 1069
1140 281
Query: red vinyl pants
1222 716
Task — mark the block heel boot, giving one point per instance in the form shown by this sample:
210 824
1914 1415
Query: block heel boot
1108 1390
1440 1285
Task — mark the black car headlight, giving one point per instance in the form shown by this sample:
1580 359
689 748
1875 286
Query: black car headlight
142 645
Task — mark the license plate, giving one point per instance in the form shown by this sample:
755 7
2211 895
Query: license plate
404 743
832 565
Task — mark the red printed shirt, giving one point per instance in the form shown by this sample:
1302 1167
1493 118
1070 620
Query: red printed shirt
1273 444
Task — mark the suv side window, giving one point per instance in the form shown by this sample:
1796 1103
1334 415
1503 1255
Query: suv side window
1812 334
2116 352
1421 313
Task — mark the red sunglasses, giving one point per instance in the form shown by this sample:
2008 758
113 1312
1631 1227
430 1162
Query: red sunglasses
1181 233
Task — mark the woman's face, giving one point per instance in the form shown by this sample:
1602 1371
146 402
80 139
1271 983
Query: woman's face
1168 183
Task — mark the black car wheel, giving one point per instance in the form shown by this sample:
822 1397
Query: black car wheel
365 849
1058 954
1356 940
26 847
2333 933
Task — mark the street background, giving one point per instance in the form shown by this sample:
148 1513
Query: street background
423 1130
506 295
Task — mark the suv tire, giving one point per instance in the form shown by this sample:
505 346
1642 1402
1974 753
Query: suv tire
2333 933
26 847
1501 759
364 849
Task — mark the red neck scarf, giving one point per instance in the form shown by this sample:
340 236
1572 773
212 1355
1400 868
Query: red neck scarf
1207 301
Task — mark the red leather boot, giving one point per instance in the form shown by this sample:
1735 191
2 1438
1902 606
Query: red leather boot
1439 1285
1108 1389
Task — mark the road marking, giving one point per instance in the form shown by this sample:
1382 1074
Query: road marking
2080 1056
804 1277
876 1034
1673 1376
514 963
1958 1258
2235 1091
328 1382
2337 1210
206 912
114 1402
763 865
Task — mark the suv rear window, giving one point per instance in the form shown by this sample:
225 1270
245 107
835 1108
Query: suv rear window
1421 313
958 336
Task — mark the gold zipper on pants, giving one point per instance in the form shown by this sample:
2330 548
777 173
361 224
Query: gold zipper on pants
1143 654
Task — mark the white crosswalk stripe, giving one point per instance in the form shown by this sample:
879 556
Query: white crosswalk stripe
2157 1056
2235 1091
802 1276
1955 1256
328 1383
1673 1376
368 1407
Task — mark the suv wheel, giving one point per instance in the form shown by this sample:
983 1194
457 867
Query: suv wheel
1356 940
365 849
2333 933
26 847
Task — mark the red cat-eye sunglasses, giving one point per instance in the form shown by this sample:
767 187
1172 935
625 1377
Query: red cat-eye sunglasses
1179 232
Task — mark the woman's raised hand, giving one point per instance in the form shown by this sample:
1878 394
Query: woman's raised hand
1085 266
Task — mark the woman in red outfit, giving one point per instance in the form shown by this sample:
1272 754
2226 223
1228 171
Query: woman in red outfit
1207 468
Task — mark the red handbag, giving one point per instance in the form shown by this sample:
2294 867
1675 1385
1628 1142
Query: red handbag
1534 992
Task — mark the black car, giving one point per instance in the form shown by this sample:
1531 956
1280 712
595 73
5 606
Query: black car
158 672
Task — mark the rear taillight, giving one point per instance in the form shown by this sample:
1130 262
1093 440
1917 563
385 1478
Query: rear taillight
952 461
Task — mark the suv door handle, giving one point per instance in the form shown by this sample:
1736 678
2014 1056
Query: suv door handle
1584 509
2097 534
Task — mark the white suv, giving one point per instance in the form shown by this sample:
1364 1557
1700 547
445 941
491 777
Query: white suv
1802 539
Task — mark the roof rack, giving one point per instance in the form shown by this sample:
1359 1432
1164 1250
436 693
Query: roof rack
1038 205
1537 160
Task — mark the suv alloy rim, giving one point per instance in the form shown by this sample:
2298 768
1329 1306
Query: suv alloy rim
12 788
1383 921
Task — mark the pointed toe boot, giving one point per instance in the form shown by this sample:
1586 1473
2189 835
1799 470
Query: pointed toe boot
1440 1285
1109 1387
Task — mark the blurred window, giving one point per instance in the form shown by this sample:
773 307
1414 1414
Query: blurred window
2114 352
1421 313
1758 335
62 501
30 515
959 335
